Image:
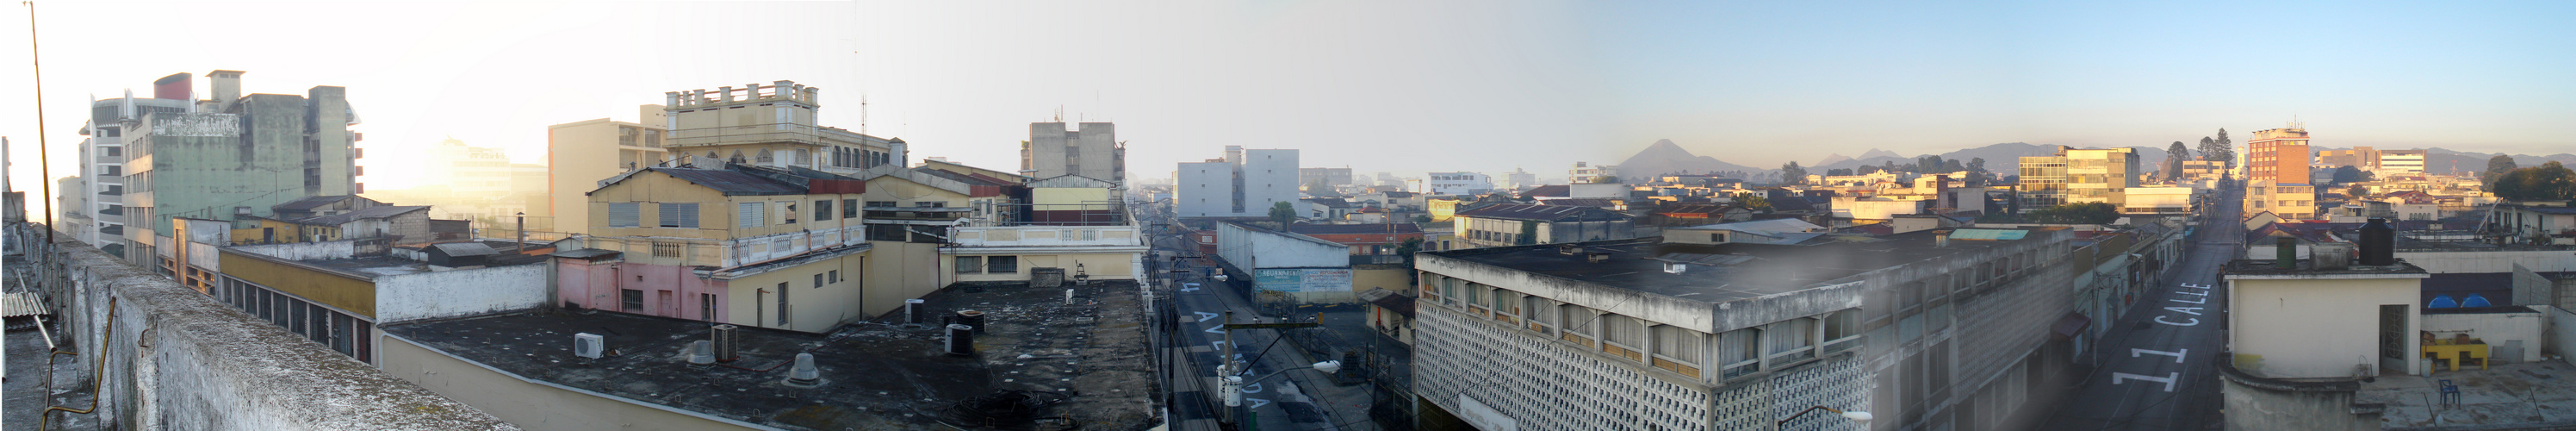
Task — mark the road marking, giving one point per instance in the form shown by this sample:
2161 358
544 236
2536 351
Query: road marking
1205 316
1220 344
2194 286
1218 329
2194 293
2201 301
2194 321
2177 355
1257 402
2168 379
1189 287
2186 310
1252 388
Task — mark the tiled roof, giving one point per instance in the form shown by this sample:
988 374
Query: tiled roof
1551 190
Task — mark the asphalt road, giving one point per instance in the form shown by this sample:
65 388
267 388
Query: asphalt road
1279 403
2157 368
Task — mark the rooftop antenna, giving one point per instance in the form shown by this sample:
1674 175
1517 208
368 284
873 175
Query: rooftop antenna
863 113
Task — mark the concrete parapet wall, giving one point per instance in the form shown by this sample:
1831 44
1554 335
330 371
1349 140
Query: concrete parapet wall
177 359
2256 403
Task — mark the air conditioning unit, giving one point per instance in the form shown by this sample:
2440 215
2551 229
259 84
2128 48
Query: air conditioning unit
588 345
726 343
1675 267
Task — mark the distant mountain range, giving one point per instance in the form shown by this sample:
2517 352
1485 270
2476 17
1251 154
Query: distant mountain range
1663 157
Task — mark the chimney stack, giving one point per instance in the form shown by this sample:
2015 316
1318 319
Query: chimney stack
227 91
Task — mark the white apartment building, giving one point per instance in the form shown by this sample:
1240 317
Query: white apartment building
1458 183
1246 183
1639 335
2400 162
98 215
1587 173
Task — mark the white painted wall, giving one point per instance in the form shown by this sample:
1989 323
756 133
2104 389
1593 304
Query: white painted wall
459 293
324 250
1249 249
2561 333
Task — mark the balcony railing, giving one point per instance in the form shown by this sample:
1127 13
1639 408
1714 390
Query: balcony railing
1047 236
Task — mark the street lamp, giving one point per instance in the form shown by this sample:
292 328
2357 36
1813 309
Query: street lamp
1857 417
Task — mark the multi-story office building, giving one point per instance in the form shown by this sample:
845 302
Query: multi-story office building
2077 176
2399 163
1093 151
1634 334
1458 183
1330 177
1520 179
2289 201
1587 173
2363 158
232 156
97 199
2279 155
579 154
1246 183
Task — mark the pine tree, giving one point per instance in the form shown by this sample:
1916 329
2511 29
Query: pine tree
2174 158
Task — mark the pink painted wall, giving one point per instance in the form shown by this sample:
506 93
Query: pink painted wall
669 290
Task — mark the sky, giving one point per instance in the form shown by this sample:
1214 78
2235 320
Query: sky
1404 87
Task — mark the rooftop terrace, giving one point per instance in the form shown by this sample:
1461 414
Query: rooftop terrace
1086 358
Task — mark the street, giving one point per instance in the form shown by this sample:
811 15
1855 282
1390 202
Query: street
1287 401
2157 369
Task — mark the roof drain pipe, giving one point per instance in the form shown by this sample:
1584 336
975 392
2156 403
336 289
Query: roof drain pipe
98 373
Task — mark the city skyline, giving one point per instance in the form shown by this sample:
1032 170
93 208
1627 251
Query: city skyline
1479 87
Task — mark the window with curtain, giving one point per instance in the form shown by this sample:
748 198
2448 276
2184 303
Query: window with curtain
1539 310
1739 346
1790 337
1679 344
1578 319
1624 330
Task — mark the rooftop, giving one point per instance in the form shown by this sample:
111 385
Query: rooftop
875 375
1540 212
1354 229
2497 397
362 214
1717 273
2263 269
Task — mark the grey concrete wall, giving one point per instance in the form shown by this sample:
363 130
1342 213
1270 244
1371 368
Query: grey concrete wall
304 250
2561 334
177 359
2264 404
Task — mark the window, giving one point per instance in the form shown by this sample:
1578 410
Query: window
748 214
1790 338
1627 331
1740 351
679 215
111 170
1842 325
789 212
883 204
849 208
666 250
707 307
970 264
818 281
782 304
1002 264
836 275
630 300
823 210
1677 343
623 214
930 204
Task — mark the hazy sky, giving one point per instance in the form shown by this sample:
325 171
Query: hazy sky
1377 86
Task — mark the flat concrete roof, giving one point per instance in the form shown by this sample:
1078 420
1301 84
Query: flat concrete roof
1727 272
2503 396
875 375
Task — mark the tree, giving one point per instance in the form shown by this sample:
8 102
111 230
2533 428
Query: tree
2348 175
2077 213
2226 148
1406 250
1977 175
2547 182
1283 213
1844 172
1606 179
1422 219
1753 202
2174 158
1792 174
1929 164
2358 192
2497 167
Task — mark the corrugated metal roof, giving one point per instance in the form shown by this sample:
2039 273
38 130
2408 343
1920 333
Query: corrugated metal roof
1989 234
22 304
465 249
362 213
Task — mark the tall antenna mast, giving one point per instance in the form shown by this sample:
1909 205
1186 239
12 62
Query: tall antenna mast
863 113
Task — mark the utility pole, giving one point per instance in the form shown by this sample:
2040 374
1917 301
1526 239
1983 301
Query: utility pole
44 165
